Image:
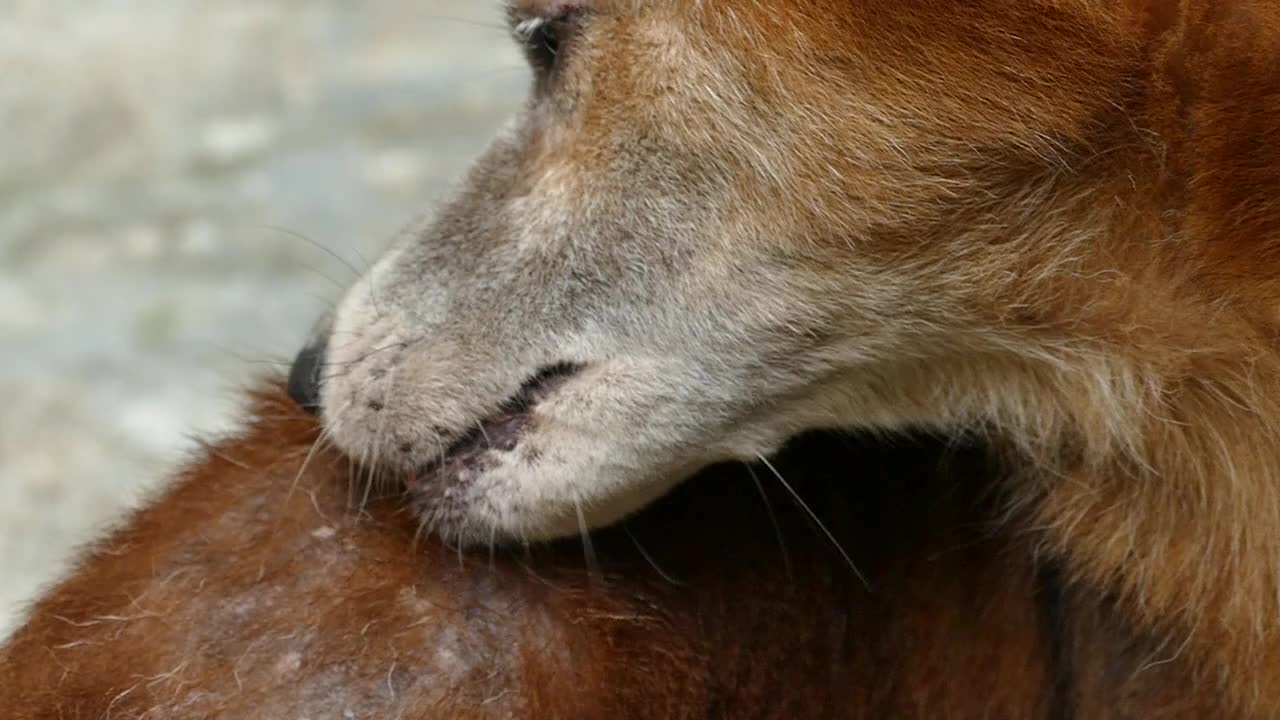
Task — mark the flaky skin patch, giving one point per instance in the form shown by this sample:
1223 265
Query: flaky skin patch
1052 224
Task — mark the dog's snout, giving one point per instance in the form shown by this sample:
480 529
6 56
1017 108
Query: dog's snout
306 375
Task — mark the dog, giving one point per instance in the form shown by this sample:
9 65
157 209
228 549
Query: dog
718 224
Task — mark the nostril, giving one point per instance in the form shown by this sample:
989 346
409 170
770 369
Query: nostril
305 375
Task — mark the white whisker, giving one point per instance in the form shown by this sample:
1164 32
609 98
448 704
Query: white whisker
588 549
773 518
814 516
652 563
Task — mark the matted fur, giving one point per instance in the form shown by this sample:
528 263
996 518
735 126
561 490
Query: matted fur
1049 223
252 589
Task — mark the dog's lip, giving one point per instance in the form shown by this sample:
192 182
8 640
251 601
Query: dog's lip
502 430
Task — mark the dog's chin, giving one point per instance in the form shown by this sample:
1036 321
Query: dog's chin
520 495
561 458
537 477
501 505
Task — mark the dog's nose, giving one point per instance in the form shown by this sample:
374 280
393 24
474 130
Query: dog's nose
306 375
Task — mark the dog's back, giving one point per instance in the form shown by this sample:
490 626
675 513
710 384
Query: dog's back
253 590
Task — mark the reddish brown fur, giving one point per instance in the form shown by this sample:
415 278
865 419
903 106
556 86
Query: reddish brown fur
1152 131
193 609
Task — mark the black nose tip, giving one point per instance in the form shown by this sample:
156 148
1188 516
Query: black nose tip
304 377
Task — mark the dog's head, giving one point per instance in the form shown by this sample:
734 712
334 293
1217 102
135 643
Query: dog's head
713 225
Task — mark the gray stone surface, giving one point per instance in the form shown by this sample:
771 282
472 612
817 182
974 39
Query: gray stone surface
174 175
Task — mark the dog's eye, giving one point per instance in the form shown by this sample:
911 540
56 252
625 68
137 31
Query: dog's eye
541 43
544 39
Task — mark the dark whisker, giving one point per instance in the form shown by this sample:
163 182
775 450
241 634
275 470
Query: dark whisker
322 248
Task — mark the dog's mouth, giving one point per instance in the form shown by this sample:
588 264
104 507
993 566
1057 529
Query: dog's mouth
501 431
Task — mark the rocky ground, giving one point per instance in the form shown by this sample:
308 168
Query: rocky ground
183 186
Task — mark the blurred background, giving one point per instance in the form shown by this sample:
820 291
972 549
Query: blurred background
184 186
